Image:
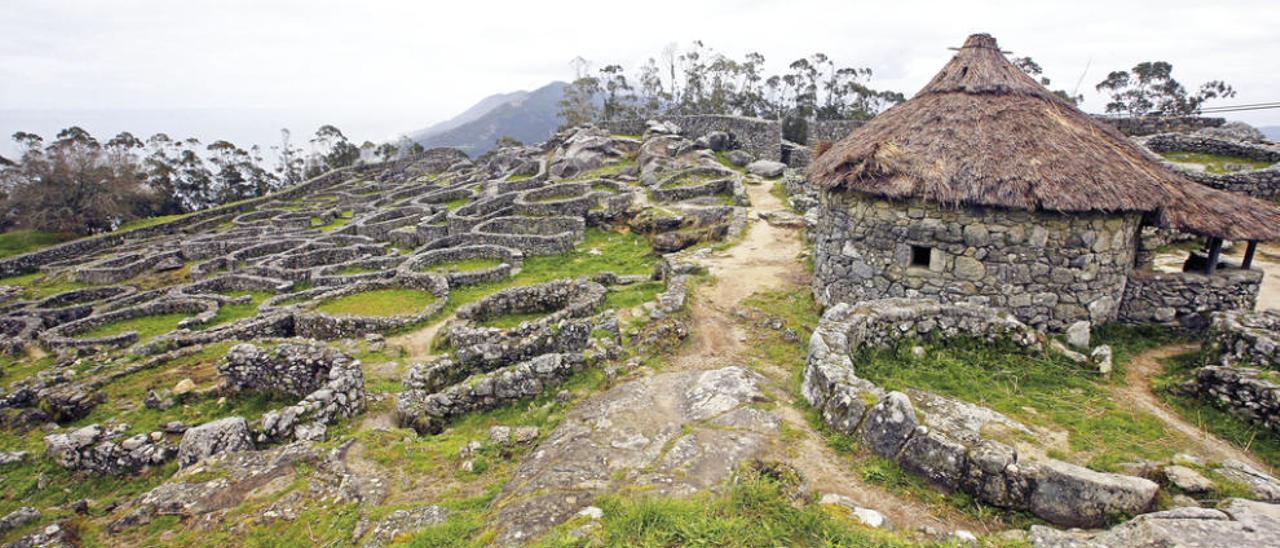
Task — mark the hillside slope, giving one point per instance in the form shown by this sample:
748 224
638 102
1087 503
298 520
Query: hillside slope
530 117
484 106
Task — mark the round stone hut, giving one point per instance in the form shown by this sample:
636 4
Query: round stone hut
986 187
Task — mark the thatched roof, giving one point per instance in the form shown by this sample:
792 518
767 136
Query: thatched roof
984 133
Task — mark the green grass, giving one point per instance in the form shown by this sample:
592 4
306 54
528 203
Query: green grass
688 180
466 265
39 286
509 321
1213 163
455 204
146 326
759 509
622 253
228 313
606 170
17 242
1046 389
1256 439
723 158
378 302
339 222
626 296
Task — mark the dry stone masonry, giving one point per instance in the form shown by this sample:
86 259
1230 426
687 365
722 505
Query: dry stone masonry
1049 270
951 452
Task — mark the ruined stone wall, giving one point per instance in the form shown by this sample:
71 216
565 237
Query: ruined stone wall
1184 299
1262 183
1244 337
1151 125
1048 269
29 262
1251 394
925 434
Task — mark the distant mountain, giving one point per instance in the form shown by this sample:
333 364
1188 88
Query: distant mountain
1272 132
530 116
471 114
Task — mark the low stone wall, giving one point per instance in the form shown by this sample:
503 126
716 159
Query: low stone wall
29 262
952 454
65 335
1244 338
317 325
428 413
120 268
330 383
1251 394
378 268
1154 124
1185 299
95 450
1262 183
512 260
292 369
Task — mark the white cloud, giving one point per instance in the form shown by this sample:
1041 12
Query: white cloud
411 63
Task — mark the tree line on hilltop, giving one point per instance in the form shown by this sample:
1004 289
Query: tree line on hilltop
701 80
78 184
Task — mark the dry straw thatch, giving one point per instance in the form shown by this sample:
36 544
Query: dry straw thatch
983 133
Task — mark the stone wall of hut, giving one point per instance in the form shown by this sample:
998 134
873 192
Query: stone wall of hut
1047 269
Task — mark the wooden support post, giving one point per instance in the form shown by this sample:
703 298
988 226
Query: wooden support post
1215 250
1248 254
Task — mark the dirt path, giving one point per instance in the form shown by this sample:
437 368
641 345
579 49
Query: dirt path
1137 389
418 343
770 258
766 258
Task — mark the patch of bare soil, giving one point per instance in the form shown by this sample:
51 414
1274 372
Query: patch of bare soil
418 342
1137 390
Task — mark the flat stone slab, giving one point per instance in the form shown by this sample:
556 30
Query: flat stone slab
673 434
1238 523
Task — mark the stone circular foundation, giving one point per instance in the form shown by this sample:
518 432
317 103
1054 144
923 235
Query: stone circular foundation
432 260
318 325
66 335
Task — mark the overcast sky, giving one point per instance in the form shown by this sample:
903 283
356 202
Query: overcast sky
381 68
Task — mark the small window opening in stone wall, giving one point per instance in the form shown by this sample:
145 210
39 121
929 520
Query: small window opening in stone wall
920 255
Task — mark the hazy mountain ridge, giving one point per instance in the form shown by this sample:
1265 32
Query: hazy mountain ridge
530 116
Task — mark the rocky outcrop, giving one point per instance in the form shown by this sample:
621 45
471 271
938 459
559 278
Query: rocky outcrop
673 434
212 438
1244 338
1236 523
